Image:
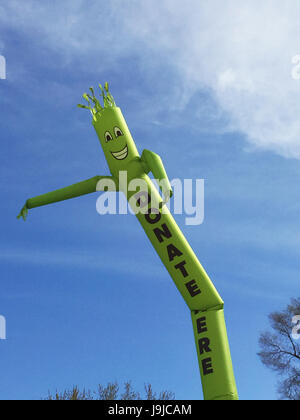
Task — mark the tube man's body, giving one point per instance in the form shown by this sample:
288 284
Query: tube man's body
176 254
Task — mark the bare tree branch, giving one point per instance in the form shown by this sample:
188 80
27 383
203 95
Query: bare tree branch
281 353
110 392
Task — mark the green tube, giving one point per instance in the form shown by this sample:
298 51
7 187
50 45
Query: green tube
129 173
214 358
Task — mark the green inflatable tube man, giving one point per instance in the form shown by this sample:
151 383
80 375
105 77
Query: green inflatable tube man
127 166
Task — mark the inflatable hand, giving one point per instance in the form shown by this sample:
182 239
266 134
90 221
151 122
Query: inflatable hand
23 213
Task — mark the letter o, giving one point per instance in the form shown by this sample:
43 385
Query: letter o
157 216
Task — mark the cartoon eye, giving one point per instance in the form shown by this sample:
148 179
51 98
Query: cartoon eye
108 137
118 132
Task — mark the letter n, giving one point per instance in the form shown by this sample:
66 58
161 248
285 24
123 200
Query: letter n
162 232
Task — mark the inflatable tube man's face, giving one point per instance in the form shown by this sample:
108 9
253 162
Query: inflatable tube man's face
115 138
110 125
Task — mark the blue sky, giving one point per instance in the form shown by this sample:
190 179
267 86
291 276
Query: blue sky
207 87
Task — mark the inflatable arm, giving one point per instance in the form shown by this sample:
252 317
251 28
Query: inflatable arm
153 163
75 190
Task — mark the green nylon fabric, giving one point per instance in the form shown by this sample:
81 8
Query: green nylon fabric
189 276
214 357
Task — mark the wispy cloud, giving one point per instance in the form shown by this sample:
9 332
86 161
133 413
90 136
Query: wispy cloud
81 259
240 51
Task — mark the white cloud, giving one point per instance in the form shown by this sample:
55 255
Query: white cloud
240 52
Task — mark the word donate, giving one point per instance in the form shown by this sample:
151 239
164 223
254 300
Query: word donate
2 67
2 328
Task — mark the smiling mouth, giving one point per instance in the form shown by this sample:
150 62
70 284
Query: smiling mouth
122 154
